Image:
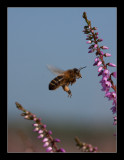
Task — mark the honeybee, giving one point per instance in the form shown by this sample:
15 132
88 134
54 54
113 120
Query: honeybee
64 78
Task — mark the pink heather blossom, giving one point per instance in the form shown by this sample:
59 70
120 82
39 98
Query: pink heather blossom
106 73
107 54
101 52
95 46
46 144
61 150
96 59
56 140
49 149
45 139
114 74
40 131
111 65
113 109
89 42
110 95
100 68
104 47
99 63
100 40
91 51
40 136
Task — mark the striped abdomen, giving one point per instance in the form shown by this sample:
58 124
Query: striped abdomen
56 82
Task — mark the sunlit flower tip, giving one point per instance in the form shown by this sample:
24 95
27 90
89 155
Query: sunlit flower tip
89 42
40 131
45 139
61 150
100 68
49 132
95 46
26 117
114 74
40 136
36 129
35 119
46 144
104 47
111 64
99 63
107 54
49 149
35 124
56 140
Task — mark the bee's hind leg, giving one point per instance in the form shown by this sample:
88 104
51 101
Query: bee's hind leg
65 88
69 93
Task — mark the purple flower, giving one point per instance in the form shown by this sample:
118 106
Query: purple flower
113 109
49 132
56 140
46 144
107 54
95 46
110 95
114 74
104 47
45 139
99 63
100 40
100 68
49 149
36 129
91 51
115 120
89 42
35 124
61 150
111 64
101 52
106 73
40 136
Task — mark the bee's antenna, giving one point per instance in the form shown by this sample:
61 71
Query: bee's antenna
82 67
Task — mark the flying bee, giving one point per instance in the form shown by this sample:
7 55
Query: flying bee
64 78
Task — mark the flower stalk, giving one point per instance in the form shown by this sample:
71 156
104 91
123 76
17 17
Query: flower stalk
106 81
85 147
40 128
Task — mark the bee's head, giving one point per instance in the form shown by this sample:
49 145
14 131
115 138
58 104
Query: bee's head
77 72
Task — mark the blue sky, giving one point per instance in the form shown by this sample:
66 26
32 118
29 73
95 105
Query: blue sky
41 36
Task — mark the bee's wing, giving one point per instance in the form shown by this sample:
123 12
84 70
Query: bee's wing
55 70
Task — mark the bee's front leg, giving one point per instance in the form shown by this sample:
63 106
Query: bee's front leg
74 80
65 88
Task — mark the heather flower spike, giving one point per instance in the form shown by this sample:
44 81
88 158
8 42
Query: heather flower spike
48 142
106 81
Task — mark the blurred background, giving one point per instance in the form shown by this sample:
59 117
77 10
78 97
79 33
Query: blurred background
41 36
